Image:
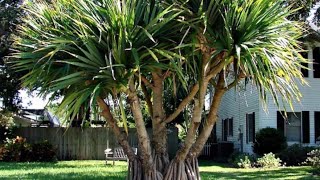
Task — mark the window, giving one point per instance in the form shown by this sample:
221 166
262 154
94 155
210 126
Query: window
305 72
227 128
250 126
316 62
296 127
293 127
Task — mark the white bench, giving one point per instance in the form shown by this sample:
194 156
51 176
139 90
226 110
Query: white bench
116 154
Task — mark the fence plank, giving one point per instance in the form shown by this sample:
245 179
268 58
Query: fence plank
87 143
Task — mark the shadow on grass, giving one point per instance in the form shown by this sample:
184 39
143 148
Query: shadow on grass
282 173
69 175
62 170
99 170
81 176
61 164
207 163
23 165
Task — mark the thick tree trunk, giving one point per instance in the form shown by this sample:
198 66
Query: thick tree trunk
159 142
137 172
143 137
183 170
159 133
176 170
154 163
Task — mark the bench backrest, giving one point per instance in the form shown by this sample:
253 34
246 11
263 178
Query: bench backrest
118 152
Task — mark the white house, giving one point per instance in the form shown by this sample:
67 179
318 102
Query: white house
241 113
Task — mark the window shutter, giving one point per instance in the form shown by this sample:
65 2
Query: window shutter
316 64
280 122
225 130
214 133
305 72
222 130
316 125
253 127
247 129
230 126
305 127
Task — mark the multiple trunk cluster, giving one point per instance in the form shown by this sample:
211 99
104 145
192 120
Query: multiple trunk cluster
81 48
153 162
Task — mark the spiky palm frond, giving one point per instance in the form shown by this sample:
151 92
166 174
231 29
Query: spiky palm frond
265 45
259 40
86 49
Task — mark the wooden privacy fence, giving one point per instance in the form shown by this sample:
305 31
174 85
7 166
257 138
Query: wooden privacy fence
86 143
207 150
222 149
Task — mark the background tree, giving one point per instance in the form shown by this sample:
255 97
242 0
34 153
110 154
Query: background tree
303 8
10 12
93 50
308 12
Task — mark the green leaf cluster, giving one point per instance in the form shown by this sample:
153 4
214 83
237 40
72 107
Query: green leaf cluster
84 49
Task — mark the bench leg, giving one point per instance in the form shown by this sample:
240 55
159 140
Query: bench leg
106 162
113 163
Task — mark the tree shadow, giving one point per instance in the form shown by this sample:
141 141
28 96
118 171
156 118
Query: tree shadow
24 165
208 163
70 175
282 173
62 170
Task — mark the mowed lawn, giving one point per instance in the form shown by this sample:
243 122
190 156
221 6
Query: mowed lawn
98 170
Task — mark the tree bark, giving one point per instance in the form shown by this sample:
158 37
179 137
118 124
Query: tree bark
136 172
121 136
143 137
198 107
159 133
195 123
211 120
183 170
154 164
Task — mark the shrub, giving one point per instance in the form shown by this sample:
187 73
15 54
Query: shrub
245 163
269 140
15 149
313 159
3 152
19 150
44 152
242 160
6 119
269 161
295 154
6 132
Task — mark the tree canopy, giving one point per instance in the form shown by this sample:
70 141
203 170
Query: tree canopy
93 50
9 17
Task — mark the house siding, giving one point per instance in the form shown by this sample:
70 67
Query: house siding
310 102
237 103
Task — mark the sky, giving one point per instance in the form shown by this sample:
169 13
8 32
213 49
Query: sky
33 101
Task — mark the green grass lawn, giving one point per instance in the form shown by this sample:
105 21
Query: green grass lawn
98 170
